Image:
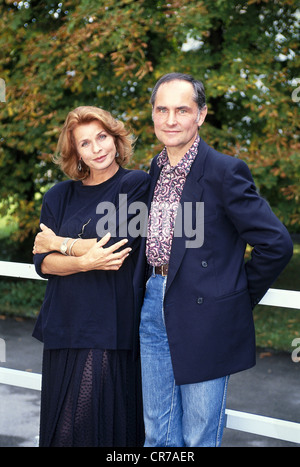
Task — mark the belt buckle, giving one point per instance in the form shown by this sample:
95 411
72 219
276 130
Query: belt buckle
164 270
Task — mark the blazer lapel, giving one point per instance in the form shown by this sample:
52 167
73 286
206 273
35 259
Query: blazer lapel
154 173
192 194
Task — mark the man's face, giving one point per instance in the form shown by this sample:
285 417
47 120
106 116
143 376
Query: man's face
176 116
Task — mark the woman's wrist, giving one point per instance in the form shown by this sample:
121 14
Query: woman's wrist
56 243
71 244
65 245
82 263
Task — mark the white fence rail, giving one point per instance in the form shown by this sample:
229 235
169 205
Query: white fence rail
242 421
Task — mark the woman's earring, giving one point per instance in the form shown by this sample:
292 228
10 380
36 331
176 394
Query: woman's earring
117 154
79 166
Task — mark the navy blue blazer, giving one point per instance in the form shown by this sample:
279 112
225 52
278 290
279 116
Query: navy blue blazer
210 290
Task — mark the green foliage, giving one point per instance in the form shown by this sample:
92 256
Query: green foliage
55 56
21 297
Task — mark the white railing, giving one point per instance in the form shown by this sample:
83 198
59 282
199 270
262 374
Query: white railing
242 421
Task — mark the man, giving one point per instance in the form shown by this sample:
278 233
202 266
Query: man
196 322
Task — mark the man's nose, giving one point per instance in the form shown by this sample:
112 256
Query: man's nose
171 118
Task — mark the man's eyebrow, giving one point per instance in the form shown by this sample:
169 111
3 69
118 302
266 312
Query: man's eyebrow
182 107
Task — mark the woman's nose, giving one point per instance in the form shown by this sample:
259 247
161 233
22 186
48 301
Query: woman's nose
96 146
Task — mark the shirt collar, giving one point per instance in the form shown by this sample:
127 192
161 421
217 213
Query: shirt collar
184 165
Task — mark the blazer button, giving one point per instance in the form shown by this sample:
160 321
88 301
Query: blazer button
199 300
204 264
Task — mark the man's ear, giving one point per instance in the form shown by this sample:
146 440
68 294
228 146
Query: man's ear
202 116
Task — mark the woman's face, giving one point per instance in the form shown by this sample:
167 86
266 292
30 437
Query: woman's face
96 148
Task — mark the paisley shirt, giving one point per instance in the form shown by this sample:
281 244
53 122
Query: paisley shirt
164 205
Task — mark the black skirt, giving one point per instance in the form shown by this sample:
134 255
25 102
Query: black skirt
91 398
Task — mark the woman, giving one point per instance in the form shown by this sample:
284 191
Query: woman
91 392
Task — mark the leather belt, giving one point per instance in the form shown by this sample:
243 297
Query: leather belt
162 270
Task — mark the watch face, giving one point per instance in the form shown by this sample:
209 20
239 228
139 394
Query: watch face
64 246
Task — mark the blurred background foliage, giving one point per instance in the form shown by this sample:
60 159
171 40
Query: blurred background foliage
55 56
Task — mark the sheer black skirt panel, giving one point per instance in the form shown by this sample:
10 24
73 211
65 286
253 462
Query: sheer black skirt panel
91 398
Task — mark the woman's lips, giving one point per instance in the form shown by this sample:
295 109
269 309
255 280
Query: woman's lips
100 158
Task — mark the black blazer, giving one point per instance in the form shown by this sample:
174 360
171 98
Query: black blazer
210 290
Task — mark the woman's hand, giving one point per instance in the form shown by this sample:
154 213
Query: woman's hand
46 241
105 258
95 258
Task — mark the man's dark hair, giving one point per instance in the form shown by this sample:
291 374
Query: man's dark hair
199 92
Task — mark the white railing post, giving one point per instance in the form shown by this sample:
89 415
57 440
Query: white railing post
20 270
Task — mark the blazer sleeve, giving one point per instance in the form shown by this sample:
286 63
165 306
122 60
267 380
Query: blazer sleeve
259 227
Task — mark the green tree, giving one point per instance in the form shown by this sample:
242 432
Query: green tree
57 55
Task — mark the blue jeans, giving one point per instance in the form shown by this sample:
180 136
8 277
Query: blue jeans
186 415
